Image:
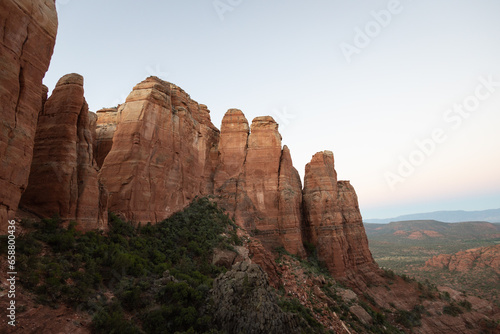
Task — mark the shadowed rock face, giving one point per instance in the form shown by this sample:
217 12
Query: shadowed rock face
290 205
27 38
243 302
332 219
162 155
105 130
63 178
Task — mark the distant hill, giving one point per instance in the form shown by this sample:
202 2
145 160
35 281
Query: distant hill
406 246
432 229
491 216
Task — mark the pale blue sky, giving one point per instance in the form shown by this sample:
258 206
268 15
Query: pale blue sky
284 58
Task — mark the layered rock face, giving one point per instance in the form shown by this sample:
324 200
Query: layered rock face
63 177
257 182
332 219
163 153
159 150
27 38
290 205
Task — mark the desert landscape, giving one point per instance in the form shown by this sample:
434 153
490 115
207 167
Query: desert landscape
145 217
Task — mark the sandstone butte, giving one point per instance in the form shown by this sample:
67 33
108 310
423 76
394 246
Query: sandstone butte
63 178
155 153
27 37
159 150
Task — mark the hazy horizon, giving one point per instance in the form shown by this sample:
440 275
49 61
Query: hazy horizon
406 94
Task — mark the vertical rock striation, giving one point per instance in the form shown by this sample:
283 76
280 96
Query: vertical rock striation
290 205
163 153
257 183
332 219
63 177
27 36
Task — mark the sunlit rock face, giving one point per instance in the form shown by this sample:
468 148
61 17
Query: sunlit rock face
27 37
163 153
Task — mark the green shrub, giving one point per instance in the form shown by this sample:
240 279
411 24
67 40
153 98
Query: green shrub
452 309
130 262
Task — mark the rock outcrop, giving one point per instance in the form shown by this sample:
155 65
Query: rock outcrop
469 260
105 130
163 153
290 205
257 182
243 302
27 38
332 219
63 177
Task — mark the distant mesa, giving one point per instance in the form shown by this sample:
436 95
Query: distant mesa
490 216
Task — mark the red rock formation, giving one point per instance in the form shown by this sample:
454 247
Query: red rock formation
465 261
261 177
228 179
290 205
105 129
257 183
27 37
163 153
63 177
332 219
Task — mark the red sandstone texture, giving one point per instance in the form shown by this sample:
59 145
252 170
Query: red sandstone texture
165 151
161 154
257 182
27 38
333 221
63 177
465 261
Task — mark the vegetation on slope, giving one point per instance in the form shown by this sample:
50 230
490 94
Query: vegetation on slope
135 279
405 247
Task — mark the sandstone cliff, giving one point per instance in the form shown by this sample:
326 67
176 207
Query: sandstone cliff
160 150
27 37
63 177
257 182
332 219
161 155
